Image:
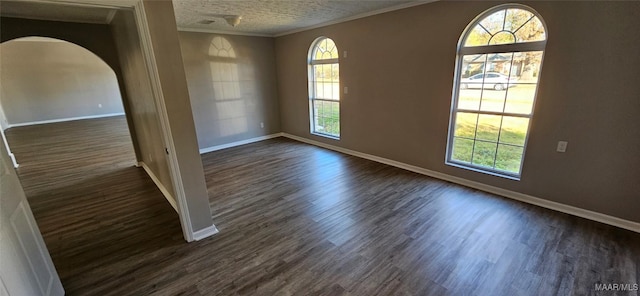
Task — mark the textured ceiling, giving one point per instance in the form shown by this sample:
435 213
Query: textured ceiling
273 17
55 12
259 17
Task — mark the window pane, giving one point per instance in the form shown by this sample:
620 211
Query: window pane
499 63
471 80
327 79
327 117
488 127
335 72
484 153
317 71
526 67
514 130
494 22
328 90
478 37
509 158
472 64
335 91
320 94
492 100
525 70
316 116
466 125
469 99
516 18
520 98
531 31
462 149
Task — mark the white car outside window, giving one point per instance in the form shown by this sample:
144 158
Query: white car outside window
490 80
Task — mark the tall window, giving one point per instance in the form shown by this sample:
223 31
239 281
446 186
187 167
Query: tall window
324 88
497 71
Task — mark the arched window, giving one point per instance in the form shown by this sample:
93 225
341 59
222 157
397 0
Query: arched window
324 88
497 71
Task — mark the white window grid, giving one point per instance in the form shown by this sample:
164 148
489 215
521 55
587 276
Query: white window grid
511 48
322 97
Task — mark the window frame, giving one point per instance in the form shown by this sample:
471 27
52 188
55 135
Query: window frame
462 51
311 78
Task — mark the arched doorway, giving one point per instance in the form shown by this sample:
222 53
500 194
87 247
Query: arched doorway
47 80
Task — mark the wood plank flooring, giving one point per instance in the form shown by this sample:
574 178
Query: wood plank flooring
296 219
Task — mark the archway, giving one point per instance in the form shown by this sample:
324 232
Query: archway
48 80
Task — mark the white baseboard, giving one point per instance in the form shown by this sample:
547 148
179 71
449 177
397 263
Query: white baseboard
204 233
163 189
587 214
13 160
238 143
63 119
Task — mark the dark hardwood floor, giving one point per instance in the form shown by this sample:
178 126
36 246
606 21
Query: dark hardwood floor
295 219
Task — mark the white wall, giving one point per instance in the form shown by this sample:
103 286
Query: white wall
47 79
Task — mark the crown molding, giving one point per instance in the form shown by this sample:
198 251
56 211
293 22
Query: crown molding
212 31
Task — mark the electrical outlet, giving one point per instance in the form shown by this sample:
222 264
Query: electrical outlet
99 105
562 146
262 125
346 90
344 54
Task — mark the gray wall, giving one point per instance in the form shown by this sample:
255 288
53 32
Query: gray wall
400 70
231 96
144 114
49 80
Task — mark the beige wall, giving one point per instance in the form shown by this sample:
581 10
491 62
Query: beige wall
231 96
172 78
138 87
49 80
400 69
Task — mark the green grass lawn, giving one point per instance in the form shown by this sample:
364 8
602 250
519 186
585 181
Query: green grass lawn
327 117
495 146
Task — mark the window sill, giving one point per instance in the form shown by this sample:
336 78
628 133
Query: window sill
326 136
482 170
